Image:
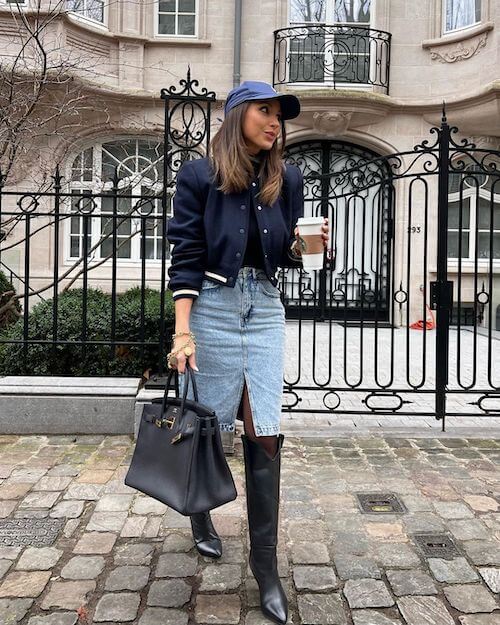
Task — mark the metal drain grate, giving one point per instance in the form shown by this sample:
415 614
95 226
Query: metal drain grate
29 532
437 546
380 503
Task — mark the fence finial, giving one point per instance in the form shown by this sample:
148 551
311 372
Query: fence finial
443 118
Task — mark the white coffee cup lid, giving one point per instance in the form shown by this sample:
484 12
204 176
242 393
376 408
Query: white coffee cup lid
309 221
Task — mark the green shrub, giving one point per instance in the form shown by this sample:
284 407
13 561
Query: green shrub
9 316
71 359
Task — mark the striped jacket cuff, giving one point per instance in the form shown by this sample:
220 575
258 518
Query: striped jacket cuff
185 293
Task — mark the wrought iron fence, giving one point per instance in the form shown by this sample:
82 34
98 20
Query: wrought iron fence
79 241
76 237
333 55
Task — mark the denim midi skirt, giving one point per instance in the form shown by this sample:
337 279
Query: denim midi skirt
240 337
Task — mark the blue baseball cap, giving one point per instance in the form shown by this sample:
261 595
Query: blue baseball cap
257 90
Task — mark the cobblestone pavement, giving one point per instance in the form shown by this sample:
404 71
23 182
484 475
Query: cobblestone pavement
121 557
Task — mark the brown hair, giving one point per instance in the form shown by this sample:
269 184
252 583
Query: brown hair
231 163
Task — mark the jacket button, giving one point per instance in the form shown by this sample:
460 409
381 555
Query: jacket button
265 230
254 184
259 207
242 230
238 254
265 255
242 207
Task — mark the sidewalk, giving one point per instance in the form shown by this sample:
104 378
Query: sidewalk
114 556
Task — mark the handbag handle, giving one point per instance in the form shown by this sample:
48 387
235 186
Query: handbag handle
189 377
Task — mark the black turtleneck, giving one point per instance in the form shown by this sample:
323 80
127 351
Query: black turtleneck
254 256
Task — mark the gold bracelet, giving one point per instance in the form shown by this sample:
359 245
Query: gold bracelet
183 334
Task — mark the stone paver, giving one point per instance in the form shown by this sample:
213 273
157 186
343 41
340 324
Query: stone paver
176 565
13 610
39 558
95 542
372 617
163 616
123 557
4 567
117 607
314 578
68 595
218 609
172 593
367 593
127 578
419 610
83 567
24 584
470 598
59 618
322 609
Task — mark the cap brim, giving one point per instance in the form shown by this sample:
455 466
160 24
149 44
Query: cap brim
290 104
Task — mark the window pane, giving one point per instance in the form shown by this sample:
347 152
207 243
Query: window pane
453 245
187 6
75 247
95 10
166 24
124 226
357 11
107 204
307 11
75 225
351 69
462 13
74 5
106 248
483 244
124 250
167 6
186 24
307 58
484 215
454 214
149 245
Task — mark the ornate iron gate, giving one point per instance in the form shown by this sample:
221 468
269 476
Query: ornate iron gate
417 241
402 319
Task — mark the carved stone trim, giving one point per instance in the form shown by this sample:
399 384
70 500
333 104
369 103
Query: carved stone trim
460 52
332 123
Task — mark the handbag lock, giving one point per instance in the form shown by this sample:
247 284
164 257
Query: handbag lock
160 422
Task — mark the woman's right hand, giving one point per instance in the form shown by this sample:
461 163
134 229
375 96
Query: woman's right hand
181 356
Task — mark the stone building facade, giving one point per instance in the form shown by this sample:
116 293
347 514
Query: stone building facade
372 77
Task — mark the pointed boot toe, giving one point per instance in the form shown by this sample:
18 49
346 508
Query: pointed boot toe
276 612
274 605
205 537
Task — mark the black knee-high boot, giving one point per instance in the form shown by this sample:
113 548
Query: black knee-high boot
206 539
262 476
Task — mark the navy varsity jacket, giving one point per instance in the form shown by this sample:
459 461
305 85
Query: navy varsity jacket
209 229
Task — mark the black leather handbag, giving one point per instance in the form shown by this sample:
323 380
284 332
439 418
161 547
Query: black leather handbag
178 457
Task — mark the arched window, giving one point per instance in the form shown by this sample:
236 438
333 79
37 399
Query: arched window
138 165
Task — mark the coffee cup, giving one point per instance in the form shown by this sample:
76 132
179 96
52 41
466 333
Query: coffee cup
311 242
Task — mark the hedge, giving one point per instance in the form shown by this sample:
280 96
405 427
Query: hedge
71 359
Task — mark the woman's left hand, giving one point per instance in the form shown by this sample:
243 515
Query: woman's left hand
326 232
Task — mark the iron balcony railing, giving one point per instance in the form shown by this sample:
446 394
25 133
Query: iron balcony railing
338 56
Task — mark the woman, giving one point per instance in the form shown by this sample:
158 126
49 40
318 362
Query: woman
234 223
